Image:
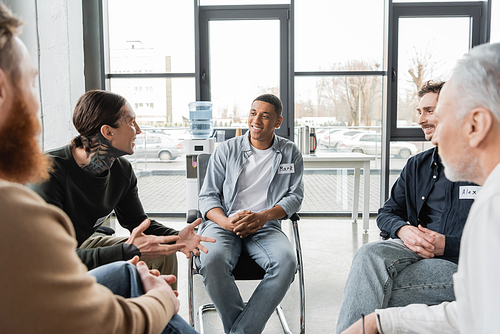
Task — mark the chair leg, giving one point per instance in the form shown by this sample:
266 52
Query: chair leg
203 308
281 316
190 291
300 268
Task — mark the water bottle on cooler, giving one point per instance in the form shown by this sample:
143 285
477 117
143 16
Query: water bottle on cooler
200 119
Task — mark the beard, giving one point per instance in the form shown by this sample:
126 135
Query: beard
463 169
21 159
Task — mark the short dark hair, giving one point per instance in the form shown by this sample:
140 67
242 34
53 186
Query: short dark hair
430 87
10 27
271 99
94 109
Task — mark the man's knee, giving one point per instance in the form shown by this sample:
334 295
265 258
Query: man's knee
116 276
368 253
427 272
387 252
166 265
216 260
428 281
289 262
117 269
283 264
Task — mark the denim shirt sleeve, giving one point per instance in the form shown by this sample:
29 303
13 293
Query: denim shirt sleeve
390 217
211 195
292 200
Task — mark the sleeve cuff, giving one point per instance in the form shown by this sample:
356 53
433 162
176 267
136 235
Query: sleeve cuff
396 227
129 251
386 318
452 246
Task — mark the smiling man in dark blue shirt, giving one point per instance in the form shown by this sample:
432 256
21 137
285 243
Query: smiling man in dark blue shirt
424 219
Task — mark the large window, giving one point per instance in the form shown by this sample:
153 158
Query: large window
151 62
427 40
151 58
348 69
339 35
423 57
339 66
244 53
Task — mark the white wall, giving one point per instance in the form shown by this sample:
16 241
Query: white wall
61 67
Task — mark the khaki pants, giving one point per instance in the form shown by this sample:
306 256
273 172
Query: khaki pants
166 265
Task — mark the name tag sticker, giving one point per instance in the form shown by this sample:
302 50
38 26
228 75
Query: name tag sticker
468 192
286 169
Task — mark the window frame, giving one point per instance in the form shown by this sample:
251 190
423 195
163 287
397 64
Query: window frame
106 68
389 118
473 10
205 14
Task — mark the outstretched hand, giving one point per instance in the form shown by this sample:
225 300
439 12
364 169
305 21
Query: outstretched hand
152 246
192 241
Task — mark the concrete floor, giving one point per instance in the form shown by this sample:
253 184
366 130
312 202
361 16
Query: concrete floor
328 246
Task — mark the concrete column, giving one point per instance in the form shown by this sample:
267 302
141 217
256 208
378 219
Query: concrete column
53 34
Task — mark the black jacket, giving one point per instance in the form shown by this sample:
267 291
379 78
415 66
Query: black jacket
411 191
89 200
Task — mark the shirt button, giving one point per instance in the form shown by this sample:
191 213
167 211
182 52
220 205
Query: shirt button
434 176
423 197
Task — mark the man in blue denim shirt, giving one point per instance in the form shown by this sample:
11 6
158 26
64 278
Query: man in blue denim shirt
424 217
252 182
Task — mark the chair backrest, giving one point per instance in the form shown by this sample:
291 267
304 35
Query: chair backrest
201 167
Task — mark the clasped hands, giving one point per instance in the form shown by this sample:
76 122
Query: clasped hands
245 222
152 246
426 243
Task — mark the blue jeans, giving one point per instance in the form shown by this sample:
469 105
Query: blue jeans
123 279
272 250
387 274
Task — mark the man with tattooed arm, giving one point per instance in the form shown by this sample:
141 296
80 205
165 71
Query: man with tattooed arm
90 179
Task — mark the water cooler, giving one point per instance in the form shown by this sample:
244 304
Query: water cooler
195 147
200 128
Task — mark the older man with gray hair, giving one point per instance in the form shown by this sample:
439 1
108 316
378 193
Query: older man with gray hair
468 138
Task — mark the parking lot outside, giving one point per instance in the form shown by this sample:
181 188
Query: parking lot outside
162 183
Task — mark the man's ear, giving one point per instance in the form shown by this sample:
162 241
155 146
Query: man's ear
478 123
6 95
278 123
4 82
107 132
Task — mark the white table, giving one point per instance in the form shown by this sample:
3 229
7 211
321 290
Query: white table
348 160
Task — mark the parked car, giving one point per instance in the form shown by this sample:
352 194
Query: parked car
370 143
152 129
331 137
157 146
178 134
